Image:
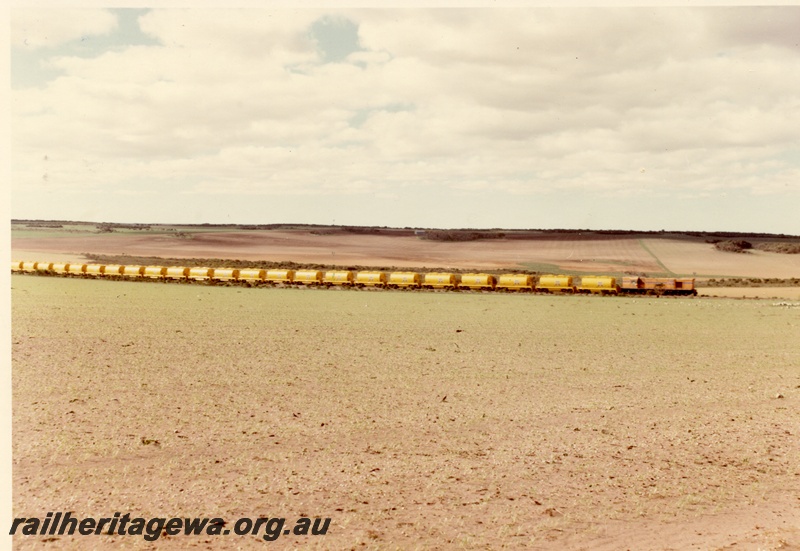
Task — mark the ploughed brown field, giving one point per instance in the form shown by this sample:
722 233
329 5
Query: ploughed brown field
547 252
414 420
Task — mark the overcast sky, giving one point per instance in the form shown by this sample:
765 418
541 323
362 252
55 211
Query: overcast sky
631 118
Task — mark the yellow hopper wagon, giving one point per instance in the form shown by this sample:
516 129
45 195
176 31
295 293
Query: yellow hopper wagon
176 273
436 280
59 268
76 269
200 274
280 276
252 276
601 285
133 272
481 282
308 277
154 272
344 278
556 284
94 270
371 279
515 282
224 274
112 270
43 267
404 280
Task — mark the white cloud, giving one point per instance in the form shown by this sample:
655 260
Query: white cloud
517 101
40 28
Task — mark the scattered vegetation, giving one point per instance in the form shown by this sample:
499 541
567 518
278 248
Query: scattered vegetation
43 225
360 230
733 246
742 246
460 235
777 247
110 228
751 282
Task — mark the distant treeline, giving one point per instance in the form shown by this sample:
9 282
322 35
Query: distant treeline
461 235
108 228
446 234
43 225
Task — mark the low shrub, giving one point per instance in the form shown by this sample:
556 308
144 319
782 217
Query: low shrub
733 246
777 247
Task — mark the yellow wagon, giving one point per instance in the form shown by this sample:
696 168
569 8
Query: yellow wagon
404 279
438 280
603 285
333 277
485 282
556 284
308 277
371 279
515 282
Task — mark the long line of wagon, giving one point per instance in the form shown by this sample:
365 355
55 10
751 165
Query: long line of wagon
605 285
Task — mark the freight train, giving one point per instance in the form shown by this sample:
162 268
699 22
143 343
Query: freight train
601 285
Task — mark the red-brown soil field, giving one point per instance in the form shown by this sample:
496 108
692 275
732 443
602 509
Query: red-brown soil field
567 252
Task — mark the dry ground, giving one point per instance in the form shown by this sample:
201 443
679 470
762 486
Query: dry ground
689 257
415 420
344 248
778 293
569 253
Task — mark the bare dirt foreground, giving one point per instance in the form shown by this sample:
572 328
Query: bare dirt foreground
776 293
413 420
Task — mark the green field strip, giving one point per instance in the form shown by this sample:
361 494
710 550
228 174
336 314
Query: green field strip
645 247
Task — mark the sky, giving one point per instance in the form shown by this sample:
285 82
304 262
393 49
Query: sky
636 118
